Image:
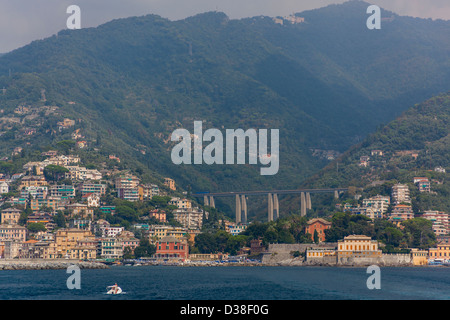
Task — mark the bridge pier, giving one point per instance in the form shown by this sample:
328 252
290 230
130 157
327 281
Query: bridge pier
244 208
308 201
273 207
302 204
238 209
209 201
241 208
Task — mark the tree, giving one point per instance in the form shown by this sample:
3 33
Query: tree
419 233
145 249
127 253
60 219
65 145
316 237
54 173
36 227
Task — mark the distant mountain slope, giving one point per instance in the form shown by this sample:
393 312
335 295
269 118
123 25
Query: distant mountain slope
325 83
417 144
417 140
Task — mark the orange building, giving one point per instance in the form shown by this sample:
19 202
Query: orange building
319 225
158 215
170 183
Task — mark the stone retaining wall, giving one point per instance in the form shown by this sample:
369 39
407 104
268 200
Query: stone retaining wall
40 264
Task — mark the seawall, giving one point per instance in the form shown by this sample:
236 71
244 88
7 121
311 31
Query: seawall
41 264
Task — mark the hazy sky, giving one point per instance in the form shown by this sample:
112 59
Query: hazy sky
22 21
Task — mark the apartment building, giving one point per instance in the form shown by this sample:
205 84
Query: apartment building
400 194
88 187
69 242
181 203
440 222
170 183
32 181
401 212
111 248
12 232
147 191
156 232
10 216
63 191
190 218
378 203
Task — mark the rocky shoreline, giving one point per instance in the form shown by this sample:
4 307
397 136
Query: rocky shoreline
48 264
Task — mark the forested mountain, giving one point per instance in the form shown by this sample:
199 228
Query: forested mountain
325 83
416 144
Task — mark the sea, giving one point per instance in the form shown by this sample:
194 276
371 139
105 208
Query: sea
239 284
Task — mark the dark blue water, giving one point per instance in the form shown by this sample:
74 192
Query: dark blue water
228 283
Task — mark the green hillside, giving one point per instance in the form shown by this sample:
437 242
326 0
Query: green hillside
325 83
417 144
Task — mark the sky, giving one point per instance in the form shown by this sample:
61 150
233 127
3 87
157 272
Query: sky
22 21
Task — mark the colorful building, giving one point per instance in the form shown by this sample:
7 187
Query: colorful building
172 248
358 246
318 225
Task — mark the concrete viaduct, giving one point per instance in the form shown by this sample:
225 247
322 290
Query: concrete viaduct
272 196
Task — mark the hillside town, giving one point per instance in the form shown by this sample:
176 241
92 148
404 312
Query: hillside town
58 206
55 209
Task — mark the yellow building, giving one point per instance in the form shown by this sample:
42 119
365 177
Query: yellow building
181 203
32 181
319 253
81 210
157 232
50 251
11 216
71 243
441 252
419 257
358 246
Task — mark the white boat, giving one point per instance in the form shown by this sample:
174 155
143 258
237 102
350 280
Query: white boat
115 289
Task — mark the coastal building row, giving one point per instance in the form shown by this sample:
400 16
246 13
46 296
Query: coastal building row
359 248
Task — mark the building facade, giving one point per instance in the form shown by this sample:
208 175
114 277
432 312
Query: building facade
318 225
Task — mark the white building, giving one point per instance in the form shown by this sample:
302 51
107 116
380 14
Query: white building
400 194
181 203
440 221
377 203
4 187
190 218
111 232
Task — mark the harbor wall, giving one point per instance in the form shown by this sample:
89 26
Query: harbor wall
43 264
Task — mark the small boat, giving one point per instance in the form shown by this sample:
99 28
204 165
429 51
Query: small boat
115 289
436 262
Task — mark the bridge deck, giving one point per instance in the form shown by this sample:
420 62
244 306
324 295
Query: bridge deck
255 193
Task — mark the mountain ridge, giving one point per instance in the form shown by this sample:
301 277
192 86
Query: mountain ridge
134 80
